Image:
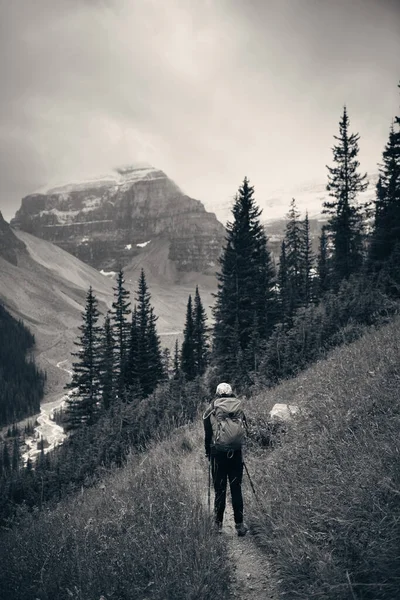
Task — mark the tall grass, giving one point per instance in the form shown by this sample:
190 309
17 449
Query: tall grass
328 507
137 535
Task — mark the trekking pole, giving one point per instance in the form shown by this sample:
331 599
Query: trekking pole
251 483
209 484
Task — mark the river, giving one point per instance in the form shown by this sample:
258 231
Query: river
46 428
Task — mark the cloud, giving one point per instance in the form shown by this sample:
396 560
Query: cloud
208 90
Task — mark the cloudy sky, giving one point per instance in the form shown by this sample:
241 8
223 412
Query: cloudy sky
207 90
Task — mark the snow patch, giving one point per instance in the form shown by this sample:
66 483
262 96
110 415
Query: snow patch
91 204
128 247
143 244
108 273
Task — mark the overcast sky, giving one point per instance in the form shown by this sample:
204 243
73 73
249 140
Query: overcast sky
207 90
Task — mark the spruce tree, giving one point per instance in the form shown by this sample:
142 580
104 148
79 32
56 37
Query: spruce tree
85 396
107 364
245 286
176 367
322 280
283 285
149 363
200 335
121 331
132 375
188 365
385 239
345 224
306 264
293 252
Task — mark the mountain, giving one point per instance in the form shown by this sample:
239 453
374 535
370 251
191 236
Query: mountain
108 221
46 287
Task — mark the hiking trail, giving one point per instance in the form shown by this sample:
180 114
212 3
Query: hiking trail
251 573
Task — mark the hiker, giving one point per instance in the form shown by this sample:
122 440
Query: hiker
224 427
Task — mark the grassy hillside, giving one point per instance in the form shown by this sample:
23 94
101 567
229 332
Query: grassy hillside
328 505
139 534
326 514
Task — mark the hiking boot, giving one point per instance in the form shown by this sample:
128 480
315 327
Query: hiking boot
241 529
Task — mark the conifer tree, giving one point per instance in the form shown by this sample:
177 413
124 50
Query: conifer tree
245 285
82 404
121 330
322 281
188 365
15 455
293 256
149 363
306 264
283 284
385 242
132 374
345 224
176 368
107 364
200 335
166 361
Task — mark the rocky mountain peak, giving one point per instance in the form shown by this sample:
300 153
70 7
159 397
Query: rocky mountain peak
106 221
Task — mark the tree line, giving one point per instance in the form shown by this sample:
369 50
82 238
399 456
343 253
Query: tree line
21 382
271 322
122 360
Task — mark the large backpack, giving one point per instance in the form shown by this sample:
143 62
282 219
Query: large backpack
228 424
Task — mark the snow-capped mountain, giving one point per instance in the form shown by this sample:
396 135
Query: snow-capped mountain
107 221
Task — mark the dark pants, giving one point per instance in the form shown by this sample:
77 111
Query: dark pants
223 467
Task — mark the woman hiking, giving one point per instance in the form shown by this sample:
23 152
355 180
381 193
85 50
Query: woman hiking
224 428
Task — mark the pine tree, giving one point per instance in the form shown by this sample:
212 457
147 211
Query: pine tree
166 362
385 239
283 284
245 285
306 264
15 455
188 365
176 367
107 364
200 335
293 250
149 363
132 375
121 330
345 224
84 398
322 281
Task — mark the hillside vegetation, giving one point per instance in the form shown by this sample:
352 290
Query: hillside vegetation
21 383
327 509
138 534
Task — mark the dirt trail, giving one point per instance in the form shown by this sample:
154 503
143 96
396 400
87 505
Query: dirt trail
251 573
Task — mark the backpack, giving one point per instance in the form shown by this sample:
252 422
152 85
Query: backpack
228 424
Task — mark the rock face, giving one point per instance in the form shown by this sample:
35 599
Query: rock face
106 222
10 245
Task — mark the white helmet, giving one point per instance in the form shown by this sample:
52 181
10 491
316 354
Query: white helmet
224 389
